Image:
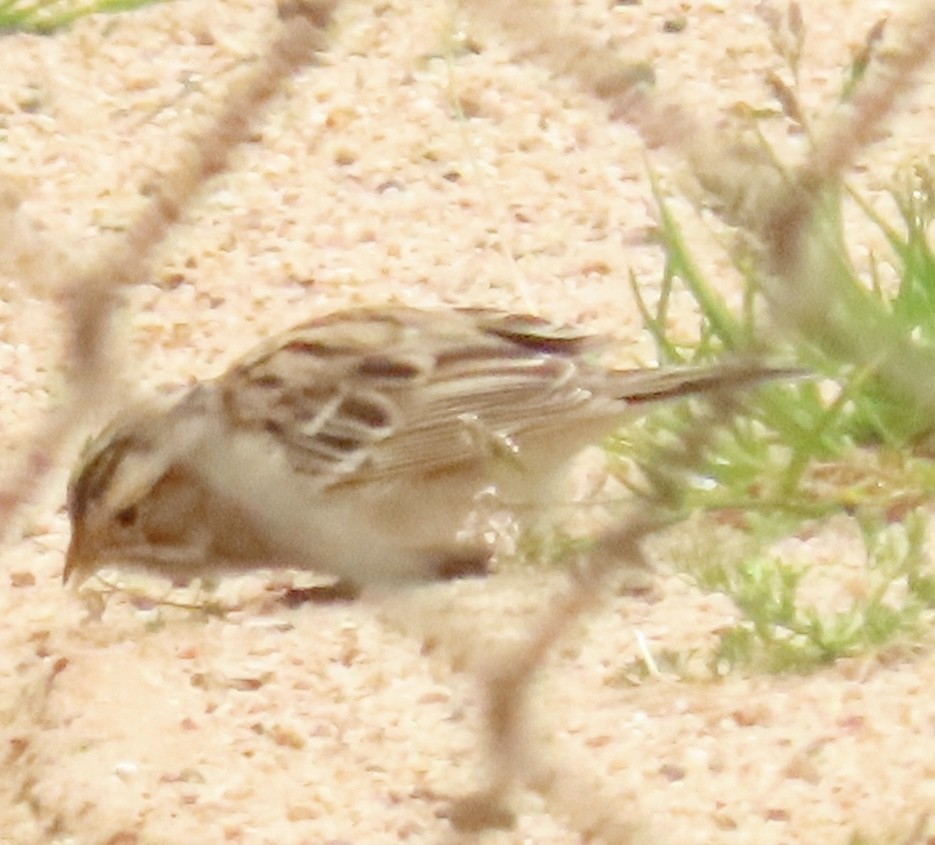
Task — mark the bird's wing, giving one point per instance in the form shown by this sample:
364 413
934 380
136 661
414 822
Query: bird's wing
377 393
365 394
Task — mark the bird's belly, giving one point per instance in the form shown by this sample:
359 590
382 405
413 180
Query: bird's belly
378 531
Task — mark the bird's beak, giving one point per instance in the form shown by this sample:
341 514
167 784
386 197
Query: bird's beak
75 564
71 562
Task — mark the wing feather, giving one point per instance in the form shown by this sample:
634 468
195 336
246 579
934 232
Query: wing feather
378 394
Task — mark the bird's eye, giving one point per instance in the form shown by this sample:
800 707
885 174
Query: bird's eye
127 516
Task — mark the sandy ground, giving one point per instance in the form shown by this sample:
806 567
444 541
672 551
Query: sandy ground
362 184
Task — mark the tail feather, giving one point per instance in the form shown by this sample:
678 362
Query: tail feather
641 386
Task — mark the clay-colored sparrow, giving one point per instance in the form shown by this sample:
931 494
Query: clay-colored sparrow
356 445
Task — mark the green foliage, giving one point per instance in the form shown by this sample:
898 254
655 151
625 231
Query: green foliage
47 16
782 633
804 451
795 456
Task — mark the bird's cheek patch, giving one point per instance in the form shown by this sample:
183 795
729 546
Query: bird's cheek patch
139 473
174 508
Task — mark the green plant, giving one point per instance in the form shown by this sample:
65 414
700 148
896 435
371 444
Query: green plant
805 451
47 16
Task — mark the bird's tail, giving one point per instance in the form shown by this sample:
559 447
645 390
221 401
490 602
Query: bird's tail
667 383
